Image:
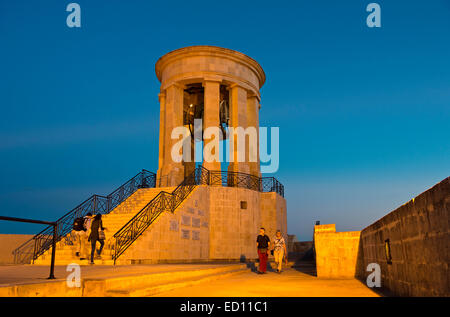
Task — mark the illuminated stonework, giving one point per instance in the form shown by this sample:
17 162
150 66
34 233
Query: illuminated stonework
219 86
216 221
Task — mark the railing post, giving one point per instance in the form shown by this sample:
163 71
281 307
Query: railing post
172 201
34 251
52 266
95 204
115 251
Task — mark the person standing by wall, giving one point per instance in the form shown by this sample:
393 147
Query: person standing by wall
279 250
262 244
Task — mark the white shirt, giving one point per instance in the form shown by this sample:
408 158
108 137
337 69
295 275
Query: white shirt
278 243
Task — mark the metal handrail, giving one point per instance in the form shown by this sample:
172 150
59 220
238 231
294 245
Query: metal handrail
41 242
165 201
55 229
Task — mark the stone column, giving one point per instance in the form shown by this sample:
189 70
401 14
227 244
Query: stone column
238 118
162 117
211 143
171 173
253 146
189 166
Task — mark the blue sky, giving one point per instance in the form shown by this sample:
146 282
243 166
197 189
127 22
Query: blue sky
363 112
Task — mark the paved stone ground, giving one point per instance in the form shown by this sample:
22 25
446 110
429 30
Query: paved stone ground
28 274
293 282
290 283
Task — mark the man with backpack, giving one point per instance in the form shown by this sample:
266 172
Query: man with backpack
81 226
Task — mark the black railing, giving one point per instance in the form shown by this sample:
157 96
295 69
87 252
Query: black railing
41 242
237 179
55 230
165 201
271 184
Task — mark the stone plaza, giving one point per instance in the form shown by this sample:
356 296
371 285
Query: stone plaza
196 221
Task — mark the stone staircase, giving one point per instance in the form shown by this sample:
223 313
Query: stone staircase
116 219
117 281
153 284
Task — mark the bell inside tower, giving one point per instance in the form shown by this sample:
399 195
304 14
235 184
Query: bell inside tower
193 109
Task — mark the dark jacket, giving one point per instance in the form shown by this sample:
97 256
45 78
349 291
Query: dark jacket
95 226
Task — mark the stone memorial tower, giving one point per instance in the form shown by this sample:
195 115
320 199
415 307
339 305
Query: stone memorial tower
188 213
217 85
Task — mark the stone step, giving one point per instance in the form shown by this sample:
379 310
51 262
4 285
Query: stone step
71 252
152 284
113 222
118 219
127 209
131 206
114 225
66 261
142 201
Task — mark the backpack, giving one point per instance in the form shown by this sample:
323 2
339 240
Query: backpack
78 224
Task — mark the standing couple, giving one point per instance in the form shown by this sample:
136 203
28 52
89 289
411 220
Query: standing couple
263 245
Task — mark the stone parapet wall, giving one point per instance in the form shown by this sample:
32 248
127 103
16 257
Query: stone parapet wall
212 224
273 214
8 243
300 246
336 252
418 234
410 245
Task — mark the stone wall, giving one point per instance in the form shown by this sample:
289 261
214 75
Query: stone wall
336 252
235 221
212 224
273 214
418 234
179 236
295 246
9 242
299 251
301 246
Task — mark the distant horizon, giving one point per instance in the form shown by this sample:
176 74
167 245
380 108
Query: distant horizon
363 113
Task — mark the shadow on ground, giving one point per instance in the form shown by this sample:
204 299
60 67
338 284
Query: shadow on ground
304 263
